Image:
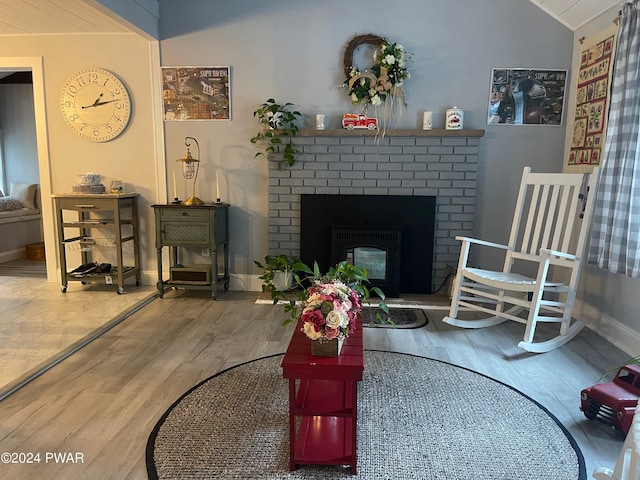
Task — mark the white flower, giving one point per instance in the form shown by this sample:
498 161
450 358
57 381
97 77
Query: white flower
372 92
354 98
402 63
390 59
400 47
376 101
335 319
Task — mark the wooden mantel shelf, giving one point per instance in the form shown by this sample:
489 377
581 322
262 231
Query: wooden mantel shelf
343 132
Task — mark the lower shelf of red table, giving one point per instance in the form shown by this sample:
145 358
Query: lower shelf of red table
324 397
325 440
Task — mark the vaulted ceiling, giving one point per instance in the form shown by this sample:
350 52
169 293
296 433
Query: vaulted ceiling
575 13
20 17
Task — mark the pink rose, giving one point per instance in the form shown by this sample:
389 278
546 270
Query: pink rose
355 300
331 333
353 318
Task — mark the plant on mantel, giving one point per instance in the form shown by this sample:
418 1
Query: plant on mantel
277 122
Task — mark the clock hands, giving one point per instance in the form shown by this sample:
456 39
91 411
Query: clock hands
97 103
103 103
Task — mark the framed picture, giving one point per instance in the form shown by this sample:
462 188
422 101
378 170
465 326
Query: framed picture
526 96
196 93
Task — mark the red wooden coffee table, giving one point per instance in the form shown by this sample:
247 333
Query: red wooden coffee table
323 394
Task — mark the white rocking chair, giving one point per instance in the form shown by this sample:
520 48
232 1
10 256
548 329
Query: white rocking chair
541 234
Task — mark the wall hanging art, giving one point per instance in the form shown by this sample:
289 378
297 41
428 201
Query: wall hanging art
593 90
196 93
526 96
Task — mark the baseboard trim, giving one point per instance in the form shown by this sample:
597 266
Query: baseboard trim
16 254
617 333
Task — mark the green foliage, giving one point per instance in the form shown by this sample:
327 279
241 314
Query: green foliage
277 122
353 276
278 263
632 361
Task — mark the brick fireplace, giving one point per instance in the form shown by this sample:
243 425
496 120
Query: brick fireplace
436 163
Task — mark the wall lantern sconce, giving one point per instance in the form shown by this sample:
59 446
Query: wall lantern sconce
190 167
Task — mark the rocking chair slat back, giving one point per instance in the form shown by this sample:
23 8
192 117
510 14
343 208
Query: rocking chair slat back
546 214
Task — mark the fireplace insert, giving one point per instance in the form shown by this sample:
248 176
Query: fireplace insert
390 235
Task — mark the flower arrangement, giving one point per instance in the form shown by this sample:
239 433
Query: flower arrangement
330 304
383 79
330 311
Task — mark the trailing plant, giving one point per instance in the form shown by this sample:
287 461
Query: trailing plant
273 264
356 278
277 122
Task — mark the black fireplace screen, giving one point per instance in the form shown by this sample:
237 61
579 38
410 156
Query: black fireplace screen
376 249
408 263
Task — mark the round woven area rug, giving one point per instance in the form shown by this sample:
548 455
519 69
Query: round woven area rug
418 418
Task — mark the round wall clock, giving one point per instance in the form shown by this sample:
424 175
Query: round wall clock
95 104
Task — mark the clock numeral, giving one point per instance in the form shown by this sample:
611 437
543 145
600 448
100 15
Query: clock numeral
81 81
96 132
93 77
73 117
72 91
83 126
108 128
117 118
68 104
115 92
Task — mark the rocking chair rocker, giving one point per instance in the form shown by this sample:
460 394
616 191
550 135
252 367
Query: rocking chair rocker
540 235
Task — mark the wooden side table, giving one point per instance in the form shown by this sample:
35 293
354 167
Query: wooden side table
203 226
94 212
323 393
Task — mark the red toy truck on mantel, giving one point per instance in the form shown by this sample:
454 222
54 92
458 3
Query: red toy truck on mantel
360 120
614 403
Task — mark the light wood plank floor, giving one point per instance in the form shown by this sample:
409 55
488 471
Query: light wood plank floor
39 324
105 399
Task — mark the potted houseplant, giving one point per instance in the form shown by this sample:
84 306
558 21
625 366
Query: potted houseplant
279 274
354 277
277 122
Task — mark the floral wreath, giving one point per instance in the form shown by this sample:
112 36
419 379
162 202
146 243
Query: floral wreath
382 79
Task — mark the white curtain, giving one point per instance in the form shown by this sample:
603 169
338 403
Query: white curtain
615 241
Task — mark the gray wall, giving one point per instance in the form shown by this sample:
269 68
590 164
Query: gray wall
292 50
610 301
18 123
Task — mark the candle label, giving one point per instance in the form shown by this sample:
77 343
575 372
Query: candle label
454 119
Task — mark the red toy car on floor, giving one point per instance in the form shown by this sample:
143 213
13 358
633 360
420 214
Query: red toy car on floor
613 403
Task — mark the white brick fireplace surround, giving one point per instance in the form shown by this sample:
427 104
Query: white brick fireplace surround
440 163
